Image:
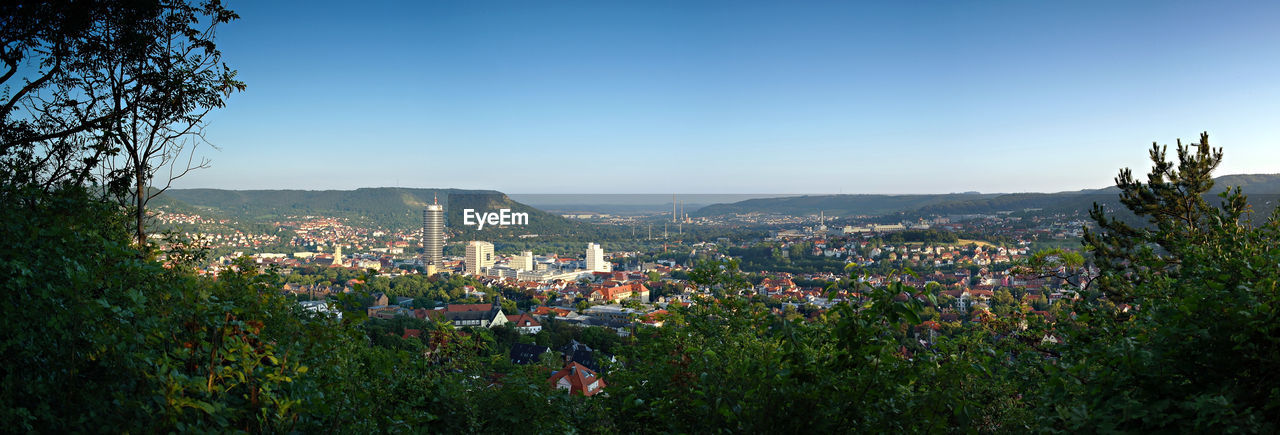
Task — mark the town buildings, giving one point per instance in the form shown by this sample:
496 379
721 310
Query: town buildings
479 257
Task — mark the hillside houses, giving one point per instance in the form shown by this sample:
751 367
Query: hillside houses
315 291
776 285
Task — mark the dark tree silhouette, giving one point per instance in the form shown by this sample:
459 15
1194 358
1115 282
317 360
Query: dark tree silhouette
121 86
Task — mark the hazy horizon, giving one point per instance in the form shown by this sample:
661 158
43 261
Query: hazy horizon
702 193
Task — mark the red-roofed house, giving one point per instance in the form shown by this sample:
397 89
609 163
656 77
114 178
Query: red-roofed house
545 311
458 308
577 379
655 318
621 292
524 323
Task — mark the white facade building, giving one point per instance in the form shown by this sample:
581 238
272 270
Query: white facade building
595 259
479 257
523 262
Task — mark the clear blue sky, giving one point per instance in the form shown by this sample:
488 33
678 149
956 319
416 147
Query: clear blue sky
738 97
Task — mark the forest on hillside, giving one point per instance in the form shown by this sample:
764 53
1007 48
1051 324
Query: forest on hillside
909 207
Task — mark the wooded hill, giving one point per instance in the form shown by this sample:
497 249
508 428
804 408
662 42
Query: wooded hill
1263 187
385 207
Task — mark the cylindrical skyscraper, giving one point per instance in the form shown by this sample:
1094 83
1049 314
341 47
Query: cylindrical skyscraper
433 235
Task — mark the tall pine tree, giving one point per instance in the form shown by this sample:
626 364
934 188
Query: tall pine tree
1172 201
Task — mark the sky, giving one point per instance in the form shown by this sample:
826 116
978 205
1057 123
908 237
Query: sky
737 96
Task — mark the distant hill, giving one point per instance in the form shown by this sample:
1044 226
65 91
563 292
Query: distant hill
1261 184
1262 189
628 203
386 207
836 205
401 208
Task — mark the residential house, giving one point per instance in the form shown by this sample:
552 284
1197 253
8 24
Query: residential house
524 323
577 352
579 379
522 353
620 292
546 311
474 315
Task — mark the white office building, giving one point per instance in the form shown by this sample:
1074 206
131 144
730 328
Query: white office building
523 262
595 259
479 257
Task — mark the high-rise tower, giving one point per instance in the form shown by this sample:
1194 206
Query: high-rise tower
595 259
433 234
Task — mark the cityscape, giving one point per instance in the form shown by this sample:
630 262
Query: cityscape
225 216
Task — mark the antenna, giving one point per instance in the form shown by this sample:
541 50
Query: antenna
680 226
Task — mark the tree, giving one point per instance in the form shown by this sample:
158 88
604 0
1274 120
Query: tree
1005 304
1173 204
1179 334
85 80
53 98
509 306
167 74
1068 266
722 277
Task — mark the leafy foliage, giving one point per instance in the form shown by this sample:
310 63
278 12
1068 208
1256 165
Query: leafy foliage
123 342
1179 334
